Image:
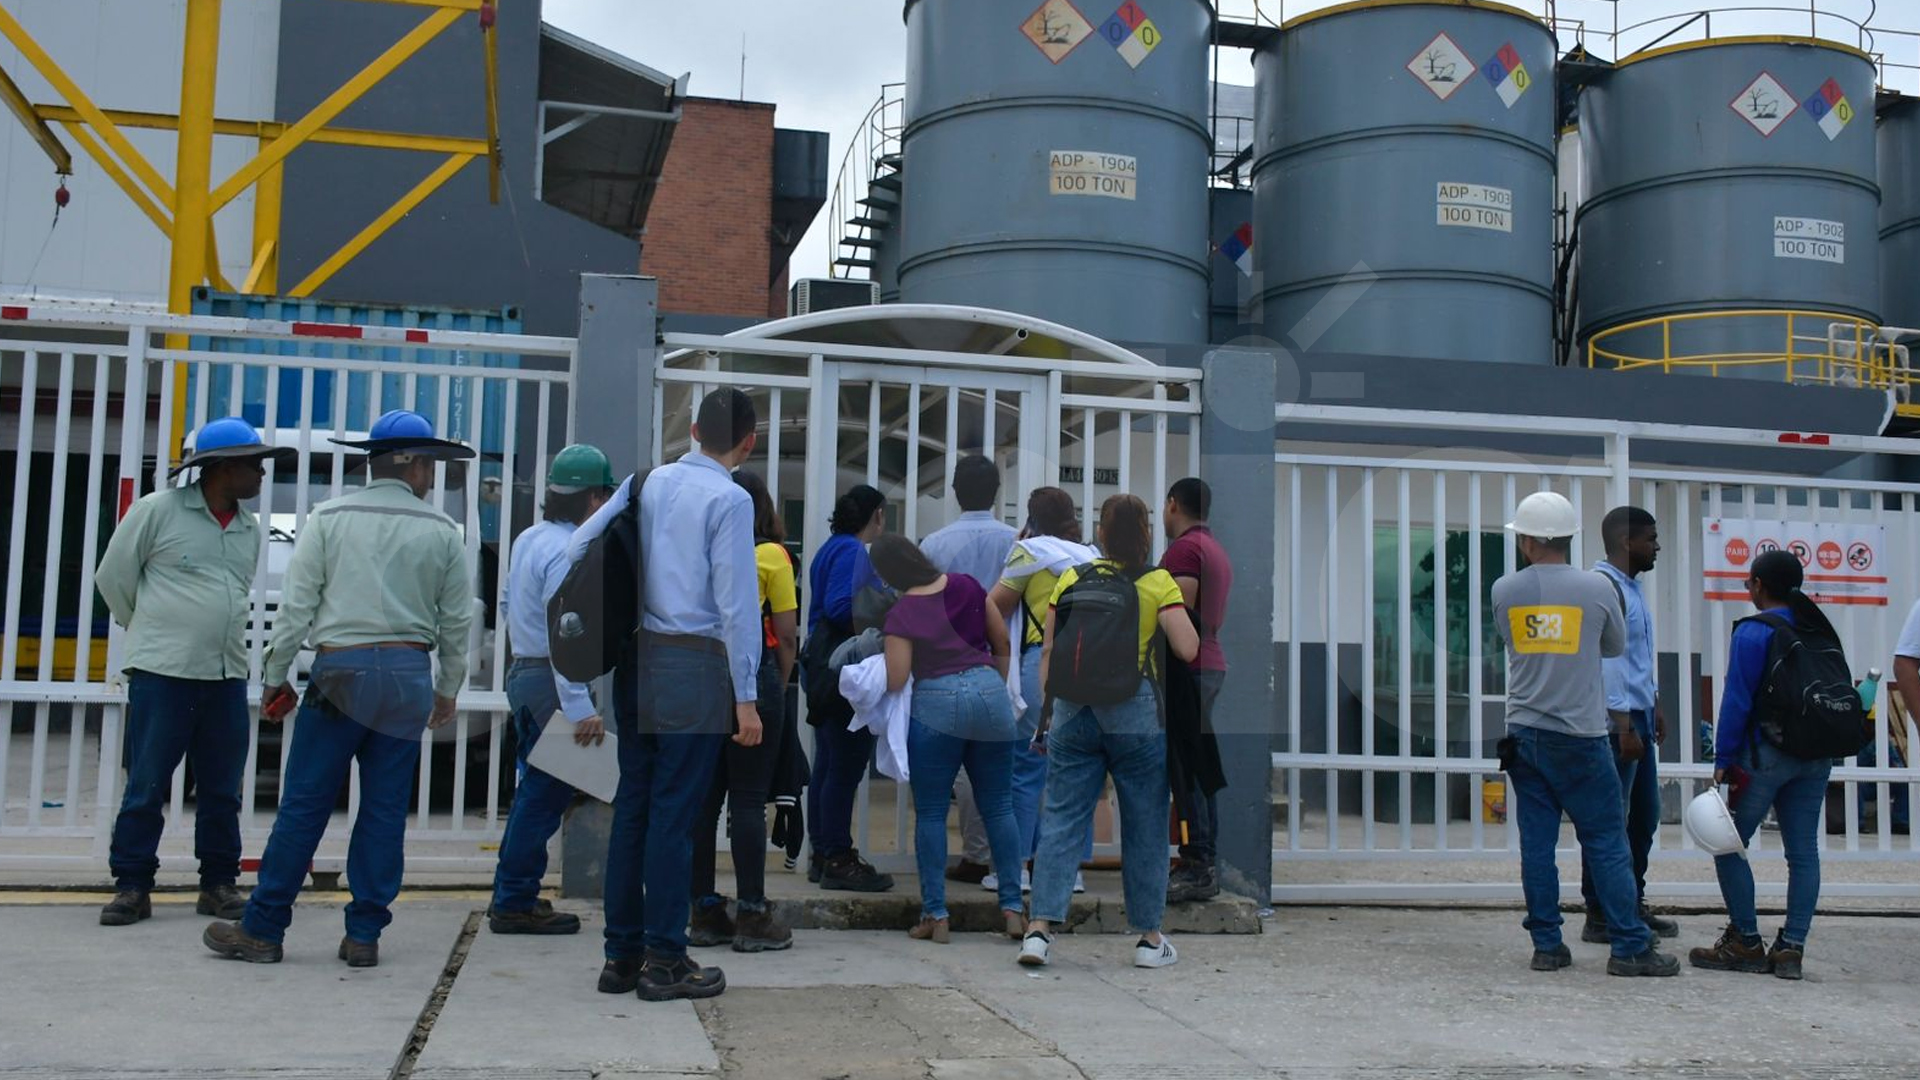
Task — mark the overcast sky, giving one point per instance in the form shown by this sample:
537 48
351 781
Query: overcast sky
823 62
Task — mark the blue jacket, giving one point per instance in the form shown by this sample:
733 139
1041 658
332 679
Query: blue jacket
1746 667
839 569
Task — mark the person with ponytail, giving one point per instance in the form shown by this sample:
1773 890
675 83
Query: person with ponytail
840 756
1765 777
941 634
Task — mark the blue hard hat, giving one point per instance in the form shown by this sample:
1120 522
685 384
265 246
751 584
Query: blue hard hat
403 431
227 438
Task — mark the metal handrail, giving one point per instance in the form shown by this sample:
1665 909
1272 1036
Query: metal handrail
877 136
1847 352
1814 10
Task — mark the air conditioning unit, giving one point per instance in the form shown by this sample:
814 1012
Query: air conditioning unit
809 295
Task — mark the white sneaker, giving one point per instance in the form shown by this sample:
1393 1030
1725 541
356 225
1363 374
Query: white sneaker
1146 955
991 883
1079 882
1026 881
1033 948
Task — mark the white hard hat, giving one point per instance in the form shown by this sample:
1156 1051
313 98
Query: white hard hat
1709 822
1544 515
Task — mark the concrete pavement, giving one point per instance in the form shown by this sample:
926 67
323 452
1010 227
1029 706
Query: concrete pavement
1326 992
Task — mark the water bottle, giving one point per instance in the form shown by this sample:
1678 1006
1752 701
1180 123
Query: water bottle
571 625
1869 690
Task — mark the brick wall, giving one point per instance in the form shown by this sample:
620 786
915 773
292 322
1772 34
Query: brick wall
707 234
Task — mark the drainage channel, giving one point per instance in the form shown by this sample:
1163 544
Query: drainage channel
416 1043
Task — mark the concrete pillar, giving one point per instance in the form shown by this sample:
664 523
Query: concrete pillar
612 399
1236 460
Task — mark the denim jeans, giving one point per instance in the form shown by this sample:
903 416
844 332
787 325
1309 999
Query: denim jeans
1030 765
1640 793
673 707
1796 791
962 719
539 800
362 705
1086 743
1552 772
1201 808
742 781
205 721
840 759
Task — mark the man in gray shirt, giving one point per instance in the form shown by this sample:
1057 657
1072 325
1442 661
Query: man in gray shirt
1558 621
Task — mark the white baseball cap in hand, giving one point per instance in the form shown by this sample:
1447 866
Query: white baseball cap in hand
1544 515
1709 821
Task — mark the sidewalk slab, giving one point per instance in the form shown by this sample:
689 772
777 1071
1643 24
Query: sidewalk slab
526 1005
149 1000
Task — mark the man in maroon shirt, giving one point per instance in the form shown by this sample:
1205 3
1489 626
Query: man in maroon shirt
1199 566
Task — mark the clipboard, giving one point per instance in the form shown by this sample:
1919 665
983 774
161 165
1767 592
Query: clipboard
593 770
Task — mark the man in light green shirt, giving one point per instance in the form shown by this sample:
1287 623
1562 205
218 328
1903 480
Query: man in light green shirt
178 574
378 580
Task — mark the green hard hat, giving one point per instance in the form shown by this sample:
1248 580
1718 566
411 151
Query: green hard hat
579 468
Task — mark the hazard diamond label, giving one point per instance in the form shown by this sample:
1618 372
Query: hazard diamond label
1441 67
1508 75
1830 108
1056 28
1131 33
1764 103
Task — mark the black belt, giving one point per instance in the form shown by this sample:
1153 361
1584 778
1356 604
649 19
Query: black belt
529 661
686 641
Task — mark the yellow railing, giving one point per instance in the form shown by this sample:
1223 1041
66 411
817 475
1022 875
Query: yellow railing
1816 347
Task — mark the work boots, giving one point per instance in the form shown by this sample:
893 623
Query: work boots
708 924
1785 958
1733 952
222 902
848 872
127 907
1192 881
234 943
756 930
539 919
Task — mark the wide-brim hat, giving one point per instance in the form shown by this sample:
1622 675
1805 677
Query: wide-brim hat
281 455
415 445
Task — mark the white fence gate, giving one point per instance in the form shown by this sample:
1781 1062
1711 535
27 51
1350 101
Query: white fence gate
898 418
1387 550
101 399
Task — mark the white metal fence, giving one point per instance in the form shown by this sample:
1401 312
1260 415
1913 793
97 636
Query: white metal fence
1385 560
101 399
898 419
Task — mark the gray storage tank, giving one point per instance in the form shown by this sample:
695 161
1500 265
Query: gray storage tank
1056 162
1404 172
1723 176
1899 149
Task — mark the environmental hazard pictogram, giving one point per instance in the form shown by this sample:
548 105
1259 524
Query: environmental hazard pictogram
1056 28
1441 67
1764 103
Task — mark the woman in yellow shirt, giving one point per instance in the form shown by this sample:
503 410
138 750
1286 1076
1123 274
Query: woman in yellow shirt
1088 742
1047 547
744 777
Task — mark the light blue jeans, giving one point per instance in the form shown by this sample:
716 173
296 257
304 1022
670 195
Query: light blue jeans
1030 765
1085 745
964 719
1796 790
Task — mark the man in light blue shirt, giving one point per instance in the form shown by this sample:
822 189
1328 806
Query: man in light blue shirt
692 677
1633 708
578 483
976 544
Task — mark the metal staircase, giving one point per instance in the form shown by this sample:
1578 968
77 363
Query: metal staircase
865 205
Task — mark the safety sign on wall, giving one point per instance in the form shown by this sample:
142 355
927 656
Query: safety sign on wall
1507 74
1474 206
1131 33
1809 238
1829 106
1091 172
1842 562
1441 67
1056 28
1764 103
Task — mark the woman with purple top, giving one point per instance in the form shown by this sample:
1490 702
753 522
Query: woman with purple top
939 633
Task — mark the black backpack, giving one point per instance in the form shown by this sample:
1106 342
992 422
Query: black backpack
592 619
1807 704
1096 638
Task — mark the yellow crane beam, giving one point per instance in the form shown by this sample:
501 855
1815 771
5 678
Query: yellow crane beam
36 125
268 130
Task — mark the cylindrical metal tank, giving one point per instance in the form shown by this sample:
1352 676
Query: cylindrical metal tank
1056 162
1233 255
1728 175
1899 150
1403 181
